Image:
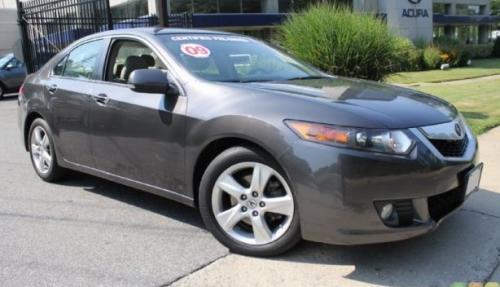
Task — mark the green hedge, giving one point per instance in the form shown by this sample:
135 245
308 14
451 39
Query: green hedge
340 41
432 57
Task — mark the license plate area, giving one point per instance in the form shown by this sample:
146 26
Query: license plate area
472 179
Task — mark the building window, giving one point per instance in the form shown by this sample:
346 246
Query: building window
205 6
468 10
230 6
285 6
468 34
441 8
181 6
130 9
251 6
297 5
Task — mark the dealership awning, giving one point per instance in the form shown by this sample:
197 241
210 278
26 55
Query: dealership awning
226 20
441 19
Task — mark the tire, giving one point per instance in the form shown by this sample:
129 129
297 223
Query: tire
263 223
2 91
42 152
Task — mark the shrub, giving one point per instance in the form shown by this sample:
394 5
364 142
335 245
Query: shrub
496 48
480 51
432 57
451 49
340 41
407 57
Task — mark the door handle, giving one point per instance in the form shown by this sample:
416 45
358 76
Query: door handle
52 89
101 99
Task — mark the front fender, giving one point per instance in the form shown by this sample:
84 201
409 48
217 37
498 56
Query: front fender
275 138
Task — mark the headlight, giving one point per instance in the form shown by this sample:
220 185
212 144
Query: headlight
385 141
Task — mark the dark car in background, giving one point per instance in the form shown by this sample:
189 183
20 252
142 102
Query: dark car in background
12 74
269 149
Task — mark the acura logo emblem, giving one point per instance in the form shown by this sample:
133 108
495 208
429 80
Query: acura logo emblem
458 130
415 1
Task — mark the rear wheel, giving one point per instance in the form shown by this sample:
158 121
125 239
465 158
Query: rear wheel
248 205
42 152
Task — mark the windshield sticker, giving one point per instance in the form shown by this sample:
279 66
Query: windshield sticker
209 38
195 50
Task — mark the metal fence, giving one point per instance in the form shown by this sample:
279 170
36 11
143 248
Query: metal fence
48 26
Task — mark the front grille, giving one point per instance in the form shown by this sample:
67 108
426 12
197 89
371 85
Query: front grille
451 148
442 204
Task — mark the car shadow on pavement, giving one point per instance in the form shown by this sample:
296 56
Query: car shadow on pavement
137 198
465 248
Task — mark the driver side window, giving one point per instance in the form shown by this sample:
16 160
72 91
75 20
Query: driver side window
127 56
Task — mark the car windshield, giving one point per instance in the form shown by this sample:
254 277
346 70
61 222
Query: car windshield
5 59
232 58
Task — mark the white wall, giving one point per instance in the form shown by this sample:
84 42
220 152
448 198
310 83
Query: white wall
9 30
10 4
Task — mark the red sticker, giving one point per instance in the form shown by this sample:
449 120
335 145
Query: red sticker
195 50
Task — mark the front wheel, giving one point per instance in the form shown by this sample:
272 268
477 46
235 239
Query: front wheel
2 92
247 203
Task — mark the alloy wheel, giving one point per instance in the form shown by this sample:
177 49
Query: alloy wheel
252 203
41 151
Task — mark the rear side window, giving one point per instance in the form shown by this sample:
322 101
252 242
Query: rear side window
82 61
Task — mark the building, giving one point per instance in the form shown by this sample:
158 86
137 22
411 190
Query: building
8 26
467 20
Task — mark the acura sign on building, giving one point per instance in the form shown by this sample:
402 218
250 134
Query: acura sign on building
409 18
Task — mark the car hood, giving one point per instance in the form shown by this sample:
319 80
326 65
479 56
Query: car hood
397 107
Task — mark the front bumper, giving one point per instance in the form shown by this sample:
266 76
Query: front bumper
337 188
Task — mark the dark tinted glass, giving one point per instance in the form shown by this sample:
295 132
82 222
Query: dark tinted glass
252 6
205 6
230 6
181 6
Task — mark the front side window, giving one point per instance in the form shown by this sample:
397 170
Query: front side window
59 68
127 56
82 61
229 58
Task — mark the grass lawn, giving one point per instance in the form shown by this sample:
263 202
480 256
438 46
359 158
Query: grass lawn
479 102
479 68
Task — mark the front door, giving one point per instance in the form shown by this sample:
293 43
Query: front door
139 137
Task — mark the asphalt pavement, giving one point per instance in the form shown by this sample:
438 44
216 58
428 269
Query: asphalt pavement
90 232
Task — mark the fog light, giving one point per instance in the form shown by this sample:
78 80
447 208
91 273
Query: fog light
386 211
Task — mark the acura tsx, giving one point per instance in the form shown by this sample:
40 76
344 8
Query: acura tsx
268 148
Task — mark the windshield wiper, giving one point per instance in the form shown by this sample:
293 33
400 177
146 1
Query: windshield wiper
306 78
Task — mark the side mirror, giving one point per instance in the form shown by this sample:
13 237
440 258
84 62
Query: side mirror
152 81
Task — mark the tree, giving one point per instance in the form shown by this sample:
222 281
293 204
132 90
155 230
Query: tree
495 7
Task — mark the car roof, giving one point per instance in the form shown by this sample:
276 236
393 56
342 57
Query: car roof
158 31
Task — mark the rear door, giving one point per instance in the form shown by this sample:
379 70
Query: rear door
69 87
136 136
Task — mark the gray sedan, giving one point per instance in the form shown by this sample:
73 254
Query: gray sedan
269 149
12 74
